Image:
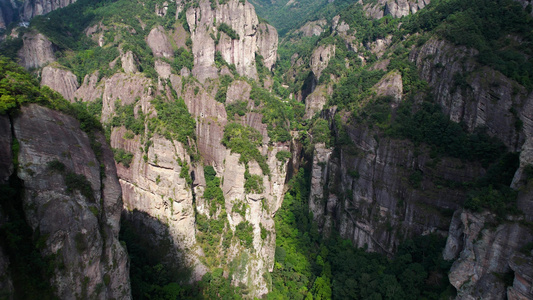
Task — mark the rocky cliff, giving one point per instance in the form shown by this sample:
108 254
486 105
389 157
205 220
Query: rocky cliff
234 30
394 8
72 202
158 194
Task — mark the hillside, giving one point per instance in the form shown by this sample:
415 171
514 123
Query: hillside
377 149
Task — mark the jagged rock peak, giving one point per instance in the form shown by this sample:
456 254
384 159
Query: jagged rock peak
33 8
395 8
234 30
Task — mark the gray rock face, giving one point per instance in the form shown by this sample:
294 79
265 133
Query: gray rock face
373 196
81 229
485 252
475 95
36 51
252 37
6 157
390 85
7 13
159 42
33 8
395 8
320 59
314 28
60 80
522 266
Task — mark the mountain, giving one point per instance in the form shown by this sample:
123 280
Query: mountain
378 149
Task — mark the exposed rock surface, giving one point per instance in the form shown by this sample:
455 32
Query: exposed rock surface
320 59
312 28
316 101
475 95
251 37
159 42
81 229
522 266
36 51
6 157
390 85
369 192
482 252
40 7
60 80
395 8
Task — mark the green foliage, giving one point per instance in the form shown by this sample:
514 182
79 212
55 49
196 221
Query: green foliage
213 193
184 172
320 132
331 268
88 61
173 120
56 165
236 108
355 87
182 59
225 81
245 232
239 208
466 23
245 140
123 157
429 125
253 183
279 115
125 116
229 31
264 231
79 182
283 156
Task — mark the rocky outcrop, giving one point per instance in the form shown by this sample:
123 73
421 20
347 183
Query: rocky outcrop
79 219
379 46
60 80
6 158
7 13
395 8
390 85
35 8
475 95
316 100
36 51
250 37
267 44
314 28
482 254
320 58
159 42
377 191
522 266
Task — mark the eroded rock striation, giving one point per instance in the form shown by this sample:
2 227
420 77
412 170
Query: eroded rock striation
71 203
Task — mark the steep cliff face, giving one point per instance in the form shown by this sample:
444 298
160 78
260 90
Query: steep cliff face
31 9
158 194
370 190
238 40
395 8
36 51
70 204
483 253
475 95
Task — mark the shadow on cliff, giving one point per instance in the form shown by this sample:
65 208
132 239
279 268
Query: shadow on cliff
156 268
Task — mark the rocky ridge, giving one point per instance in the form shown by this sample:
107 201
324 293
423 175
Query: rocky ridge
79 224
